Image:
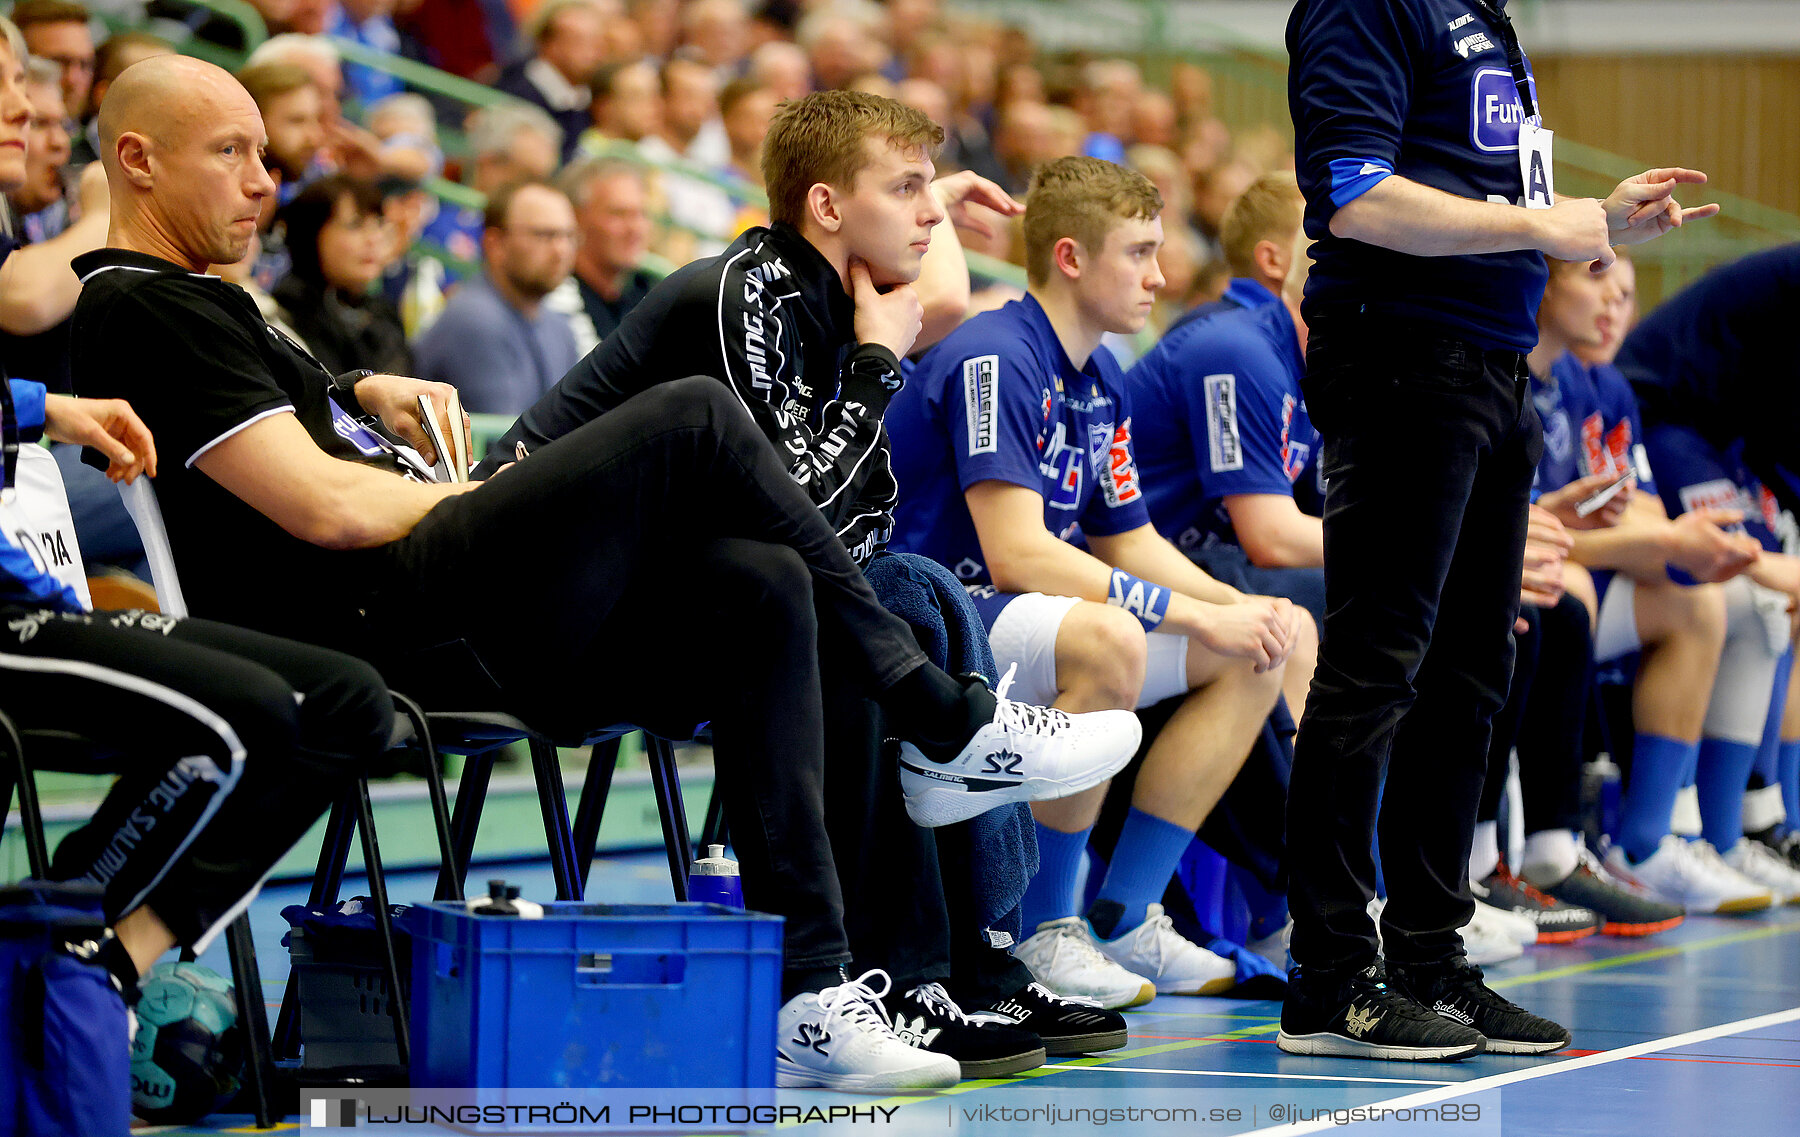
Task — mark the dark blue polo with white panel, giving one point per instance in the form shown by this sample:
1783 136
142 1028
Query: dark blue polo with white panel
1422 89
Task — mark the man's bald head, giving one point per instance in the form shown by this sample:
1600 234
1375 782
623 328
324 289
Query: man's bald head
182 142
164 96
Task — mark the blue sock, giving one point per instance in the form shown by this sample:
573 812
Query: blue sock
1051 893
1149 848
1659 766
1790 781
1767 770
1723 775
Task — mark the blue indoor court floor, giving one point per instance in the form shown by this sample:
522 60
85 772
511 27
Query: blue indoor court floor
1693 1032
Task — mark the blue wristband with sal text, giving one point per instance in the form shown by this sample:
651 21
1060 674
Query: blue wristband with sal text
1148 602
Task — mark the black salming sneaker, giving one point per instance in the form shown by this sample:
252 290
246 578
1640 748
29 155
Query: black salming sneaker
928 1018
1455 990
1067 1026
1359 1014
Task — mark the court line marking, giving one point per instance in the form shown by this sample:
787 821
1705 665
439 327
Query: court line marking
1256 1074
1496 1081
1647 955
1243 1033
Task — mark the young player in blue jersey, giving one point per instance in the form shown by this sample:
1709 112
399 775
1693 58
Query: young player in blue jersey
1013 437
1714 360
1228 453
1685 718
1254 237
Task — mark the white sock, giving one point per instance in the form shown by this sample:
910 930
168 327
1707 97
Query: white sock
1684 820
1484 855
1550 856
1763 808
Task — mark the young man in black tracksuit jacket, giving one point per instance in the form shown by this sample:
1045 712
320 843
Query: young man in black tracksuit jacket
810 347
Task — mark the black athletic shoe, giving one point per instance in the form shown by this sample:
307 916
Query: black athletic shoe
1067 1026
1359 1014
1455 990
1622 911
1783 843
928 1018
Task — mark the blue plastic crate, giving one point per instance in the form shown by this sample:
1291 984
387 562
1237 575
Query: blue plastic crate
678 995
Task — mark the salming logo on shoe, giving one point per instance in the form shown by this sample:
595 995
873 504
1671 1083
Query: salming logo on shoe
815 1037
1360 1022
1451 1012
1002 762
914 1032
1013 1011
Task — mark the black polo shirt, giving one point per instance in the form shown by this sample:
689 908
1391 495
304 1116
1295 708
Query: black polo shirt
195 358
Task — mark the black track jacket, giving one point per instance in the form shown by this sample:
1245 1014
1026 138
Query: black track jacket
769 318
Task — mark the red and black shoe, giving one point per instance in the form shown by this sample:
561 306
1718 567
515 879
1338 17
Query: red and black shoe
1558 921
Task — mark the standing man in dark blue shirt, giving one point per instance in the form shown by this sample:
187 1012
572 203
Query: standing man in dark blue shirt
1427 175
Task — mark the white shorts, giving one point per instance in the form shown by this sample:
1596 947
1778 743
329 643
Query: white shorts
1024 633
1616 632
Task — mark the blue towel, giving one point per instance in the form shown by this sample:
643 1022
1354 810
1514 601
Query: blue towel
929 597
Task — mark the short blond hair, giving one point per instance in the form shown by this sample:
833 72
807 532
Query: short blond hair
820 139
1081 198
1267 210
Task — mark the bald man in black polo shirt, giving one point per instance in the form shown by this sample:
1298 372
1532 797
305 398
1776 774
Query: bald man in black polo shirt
570 591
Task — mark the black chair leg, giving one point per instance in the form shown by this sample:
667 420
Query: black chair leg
471 795
37 855
384 923
667 784
546 766
712 830
450 871
259 1061
327 885
603 761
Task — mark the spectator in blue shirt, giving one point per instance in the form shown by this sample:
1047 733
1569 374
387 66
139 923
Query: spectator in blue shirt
371 24
1427 176
496 341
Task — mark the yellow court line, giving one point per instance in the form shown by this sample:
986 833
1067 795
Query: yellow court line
1275 1025
1648 955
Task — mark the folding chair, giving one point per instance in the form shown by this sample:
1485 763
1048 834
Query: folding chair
479 736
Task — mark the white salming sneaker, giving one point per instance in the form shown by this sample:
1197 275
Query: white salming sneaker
841 1038
1026 753
1063 956
1175 964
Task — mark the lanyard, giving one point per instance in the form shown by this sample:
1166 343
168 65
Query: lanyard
1515 55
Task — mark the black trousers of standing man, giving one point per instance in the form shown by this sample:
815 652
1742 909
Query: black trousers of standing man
1430 445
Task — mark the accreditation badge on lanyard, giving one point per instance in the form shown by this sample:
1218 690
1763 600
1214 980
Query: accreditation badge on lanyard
1537 173
1535 167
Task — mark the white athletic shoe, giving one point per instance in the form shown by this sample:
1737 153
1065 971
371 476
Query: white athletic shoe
1274 946
1063 956
1764 866
841 1038
1681 873
1026 753
1488 939
1520 928
1174 963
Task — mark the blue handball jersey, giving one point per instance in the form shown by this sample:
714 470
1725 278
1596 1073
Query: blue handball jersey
1220 413
1591 425
1000 400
